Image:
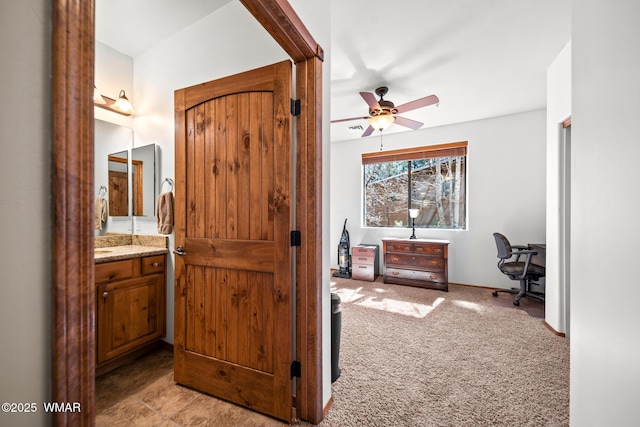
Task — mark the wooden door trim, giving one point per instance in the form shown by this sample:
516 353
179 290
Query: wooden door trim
72 155
73 334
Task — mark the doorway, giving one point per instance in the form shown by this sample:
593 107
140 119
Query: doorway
74 301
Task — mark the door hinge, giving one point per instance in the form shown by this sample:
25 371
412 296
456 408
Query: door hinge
296 238
295 107
296 369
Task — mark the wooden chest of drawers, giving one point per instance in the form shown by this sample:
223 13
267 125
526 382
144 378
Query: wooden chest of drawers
364 262
416 262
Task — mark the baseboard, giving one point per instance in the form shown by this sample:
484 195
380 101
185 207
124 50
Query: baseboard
166 346
560 334
327 407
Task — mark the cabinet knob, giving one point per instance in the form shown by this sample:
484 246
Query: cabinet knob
104 295
155 264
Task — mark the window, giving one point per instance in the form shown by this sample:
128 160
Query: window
431 179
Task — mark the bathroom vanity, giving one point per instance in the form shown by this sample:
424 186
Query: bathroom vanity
130 284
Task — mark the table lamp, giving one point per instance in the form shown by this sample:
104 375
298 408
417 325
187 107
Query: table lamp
413 213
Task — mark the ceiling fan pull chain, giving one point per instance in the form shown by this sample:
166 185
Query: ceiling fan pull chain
380 140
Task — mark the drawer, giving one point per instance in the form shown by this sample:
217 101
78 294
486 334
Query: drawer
363 259
429 249
364 251
426 276
399 247
115 270
363 272
424 261
153 264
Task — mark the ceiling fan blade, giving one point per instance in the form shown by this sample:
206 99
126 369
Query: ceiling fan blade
418 103
403 121
350 118
368 131
370 99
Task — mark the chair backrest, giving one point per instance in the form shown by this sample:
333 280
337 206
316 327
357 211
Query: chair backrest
503 245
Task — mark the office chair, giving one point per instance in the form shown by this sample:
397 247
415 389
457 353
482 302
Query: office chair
523 271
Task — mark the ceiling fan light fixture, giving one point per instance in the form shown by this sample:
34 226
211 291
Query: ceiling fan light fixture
381 121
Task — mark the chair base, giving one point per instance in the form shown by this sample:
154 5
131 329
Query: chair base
519 293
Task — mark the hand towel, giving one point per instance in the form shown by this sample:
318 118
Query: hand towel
100 213
97 214
164 213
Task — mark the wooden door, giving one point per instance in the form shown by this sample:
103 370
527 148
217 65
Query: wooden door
233 281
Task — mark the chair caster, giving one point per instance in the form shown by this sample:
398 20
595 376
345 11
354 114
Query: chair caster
494 293
516 303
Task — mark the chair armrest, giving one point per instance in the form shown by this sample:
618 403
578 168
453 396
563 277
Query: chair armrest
519 247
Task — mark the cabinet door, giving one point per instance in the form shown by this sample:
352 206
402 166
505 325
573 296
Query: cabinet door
129 314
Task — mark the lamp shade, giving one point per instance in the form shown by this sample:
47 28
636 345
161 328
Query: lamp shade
122 104
97 96
413 213
381 121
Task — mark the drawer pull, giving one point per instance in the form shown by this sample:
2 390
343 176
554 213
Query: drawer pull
433 277
155 264
362 259
104 296
362 266
395 273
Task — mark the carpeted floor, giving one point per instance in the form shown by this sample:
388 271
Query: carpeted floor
418 357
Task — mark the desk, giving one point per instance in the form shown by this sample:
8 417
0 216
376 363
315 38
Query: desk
541 259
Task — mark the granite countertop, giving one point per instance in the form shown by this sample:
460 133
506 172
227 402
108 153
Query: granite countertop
115 253
118 247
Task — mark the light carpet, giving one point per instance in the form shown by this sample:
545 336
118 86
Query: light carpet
419 357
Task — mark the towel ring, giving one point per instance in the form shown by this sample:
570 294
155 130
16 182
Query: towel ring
170 181
103 191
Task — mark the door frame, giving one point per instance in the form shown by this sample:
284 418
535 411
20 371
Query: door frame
73 334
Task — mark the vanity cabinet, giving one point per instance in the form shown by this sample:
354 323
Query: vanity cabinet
416 262
130 308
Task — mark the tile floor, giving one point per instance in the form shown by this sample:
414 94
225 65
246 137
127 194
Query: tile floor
143 393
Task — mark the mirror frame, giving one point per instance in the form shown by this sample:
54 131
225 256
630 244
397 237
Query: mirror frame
73 334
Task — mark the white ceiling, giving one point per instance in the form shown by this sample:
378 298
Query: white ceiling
481 58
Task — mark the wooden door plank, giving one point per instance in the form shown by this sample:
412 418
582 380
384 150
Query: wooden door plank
253 255
220 167
255 165
232 167
245 140
198 166
267 168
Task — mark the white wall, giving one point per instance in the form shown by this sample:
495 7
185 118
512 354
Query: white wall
558 110
506 191
25 209
605 307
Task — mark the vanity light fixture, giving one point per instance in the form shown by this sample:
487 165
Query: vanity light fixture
97 96
120 106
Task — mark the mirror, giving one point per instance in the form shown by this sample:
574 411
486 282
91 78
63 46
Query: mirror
143 180
115 141
118 189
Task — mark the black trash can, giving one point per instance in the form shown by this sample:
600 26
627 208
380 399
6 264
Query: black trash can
336 325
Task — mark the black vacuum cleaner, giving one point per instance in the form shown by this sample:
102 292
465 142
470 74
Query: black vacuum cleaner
344 256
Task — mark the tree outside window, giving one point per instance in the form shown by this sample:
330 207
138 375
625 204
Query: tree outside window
431 179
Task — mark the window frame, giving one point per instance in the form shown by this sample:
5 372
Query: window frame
415 153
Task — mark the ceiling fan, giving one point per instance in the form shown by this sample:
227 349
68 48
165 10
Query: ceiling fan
383 113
